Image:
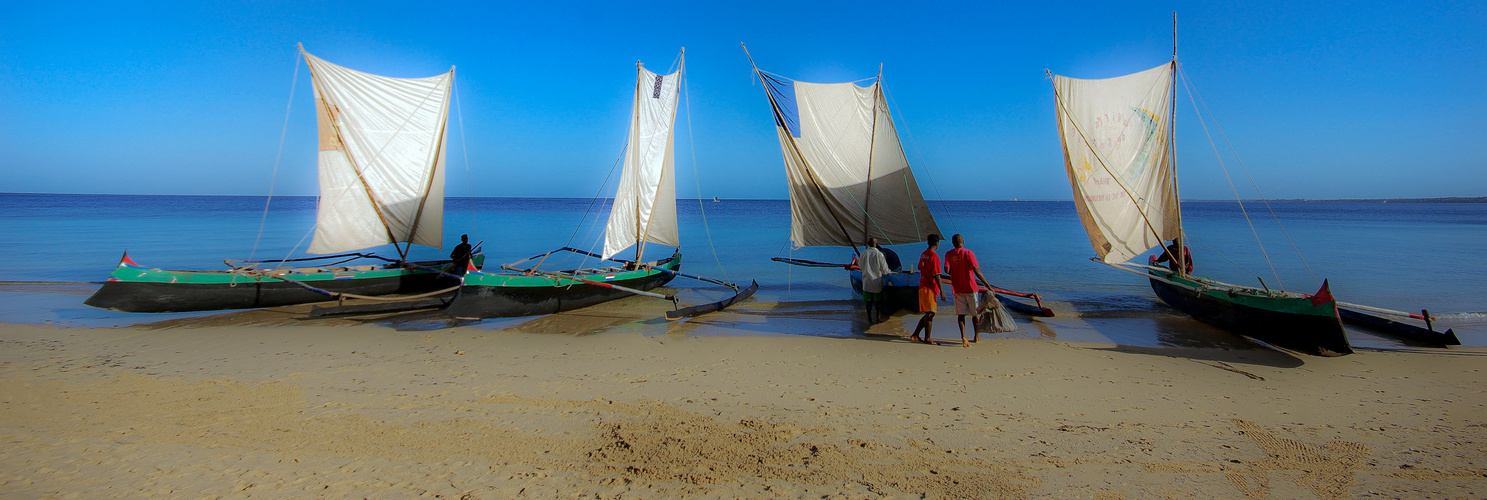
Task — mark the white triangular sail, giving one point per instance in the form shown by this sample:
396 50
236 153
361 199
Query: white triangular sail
645 203
381 158
849 178
1116 134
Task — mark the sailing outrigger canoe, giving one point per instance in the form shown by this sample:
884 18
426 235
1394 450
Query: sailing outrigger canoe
381 165
1116 135
643 211
849 179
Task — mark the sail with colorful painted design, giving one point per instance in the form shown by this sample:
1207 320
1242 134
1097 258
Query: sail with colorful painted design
1116 136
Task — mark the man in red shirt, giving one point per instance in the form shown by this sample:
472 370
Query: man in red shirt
963 269
929 288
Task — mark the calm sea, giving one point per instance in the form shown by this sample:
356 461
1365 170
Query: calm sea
1405 256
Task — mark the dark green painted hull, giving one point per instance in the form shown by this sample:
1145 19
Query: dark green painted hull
133 288
491 295
1297 323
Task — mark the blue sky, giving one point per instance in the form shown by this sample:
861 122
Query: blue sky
1348 100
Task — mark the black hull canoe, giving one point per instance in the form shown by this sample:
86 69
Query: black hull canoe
180 297
502 295
1308 324
900 292
135 288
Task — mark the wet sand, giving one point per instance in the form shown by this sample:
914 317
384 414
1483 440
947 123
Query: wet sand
598 403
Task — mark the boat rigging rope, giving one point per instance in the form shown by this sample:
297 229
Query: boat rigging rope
344 295
469 180
592 201
1191 93
944 206
697 177
274 175
1225 170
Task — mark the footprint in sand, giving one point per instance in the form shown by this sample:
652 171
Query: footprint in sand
1328 470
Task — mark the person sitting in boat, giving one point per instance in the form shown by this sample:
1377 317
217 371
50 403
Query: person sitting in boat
1176 248
461 255
894 263
874 266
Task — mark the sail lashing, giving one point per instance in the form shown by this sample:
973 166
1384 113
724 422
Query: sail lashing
849 179
644 209
1116 134
381 158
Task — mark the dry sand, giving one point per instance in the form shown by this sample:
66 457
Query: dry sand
343 409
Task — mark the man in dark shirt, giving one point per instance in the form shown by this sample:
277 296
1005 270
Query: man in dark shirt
461 255
1170 257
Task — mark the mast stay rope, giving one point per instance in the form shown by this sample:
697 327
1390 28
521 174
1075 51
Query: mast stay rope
1187 82
274 175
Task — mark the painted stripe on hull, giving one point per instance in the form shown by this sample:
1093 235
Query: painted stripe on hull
1314 331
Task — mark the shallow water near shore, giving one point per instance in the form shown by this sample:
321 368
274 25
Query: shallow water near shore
1400 256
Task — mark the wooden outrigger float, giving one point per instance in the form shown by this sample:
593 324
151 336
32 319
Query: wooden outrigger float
1372 318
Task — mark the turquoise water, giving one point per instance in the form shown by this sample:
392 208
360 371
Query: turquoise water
1403 256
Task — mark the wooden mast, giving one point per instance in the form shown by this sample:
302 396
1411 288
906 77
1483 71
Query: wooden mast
643 235
634 127
1180 259
376 204
867 195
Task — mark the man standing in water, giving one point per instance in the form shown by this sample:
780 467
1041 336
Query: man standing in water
929 288
874 266
964 270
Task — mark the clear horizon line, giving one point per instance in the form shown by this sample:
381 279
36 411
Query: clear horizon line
1482 199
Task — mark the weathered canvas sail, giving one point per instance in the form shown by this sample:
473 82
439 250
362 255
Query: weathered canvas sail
849 179
381 158
1115 135
645 203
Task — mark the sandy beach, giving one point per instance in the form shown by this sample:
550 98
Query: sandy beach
577 405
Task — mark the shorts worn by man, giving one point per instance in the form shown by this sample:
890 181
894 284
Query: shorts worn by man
929 289
873 266
961 264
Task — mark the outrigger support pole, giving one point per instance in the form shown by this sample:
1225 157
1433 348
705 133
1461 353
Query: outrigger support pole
595 283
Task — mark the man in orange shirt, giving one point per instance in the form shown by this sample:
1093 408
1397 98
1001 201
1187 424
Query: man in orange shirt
961 264
929 288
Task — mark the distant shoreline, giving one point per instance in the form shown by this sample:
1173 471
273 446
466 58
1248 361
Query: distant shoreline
1452 199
